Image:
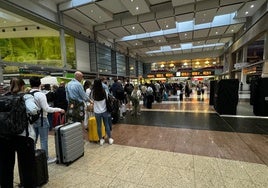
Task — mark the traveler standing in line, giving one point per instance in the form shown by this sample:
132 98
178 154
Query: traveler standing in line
135 98
42 125
60 97
76 97
106 88
22 144
99 96
87 89
128 88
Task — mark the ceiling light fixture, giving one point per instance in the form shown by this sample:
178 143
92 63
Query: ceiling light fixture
137 8
246 13
133 27
251 6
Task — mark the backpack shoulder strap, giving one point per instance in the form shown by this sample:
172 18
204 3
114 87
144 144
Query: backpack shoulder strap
33 92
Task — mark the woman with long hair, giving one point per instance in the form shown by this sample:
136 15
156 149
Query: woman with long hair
22 145
99 97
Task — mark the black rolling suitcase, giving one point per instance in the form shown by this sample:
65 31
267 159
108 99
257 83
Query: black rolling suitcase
226 96
41 169
260 97
69 142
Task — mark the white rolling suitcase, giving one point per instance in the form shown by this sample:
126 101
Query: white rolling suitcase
69 142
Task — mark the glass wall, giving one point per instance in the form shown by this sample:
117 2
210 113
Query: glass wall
140 68
132 67
121 64
104 59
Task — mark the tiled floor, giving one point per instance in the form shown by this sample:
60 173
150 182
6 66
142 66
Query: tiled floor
175 144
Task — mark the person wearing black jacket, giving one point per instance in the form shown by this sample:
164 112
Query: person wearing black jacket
22 145
60 100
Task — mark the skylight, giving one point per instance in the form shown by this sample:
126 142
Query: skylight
221 20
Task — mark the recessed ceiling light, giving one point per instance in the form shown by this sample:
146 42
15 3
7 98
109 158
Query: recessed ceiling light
251 6
166 26
246 13
137 8
232 30
133 27
216 32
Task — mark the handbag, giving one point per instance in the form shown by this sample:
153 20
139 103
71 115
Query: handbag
110 103
90 107
76 110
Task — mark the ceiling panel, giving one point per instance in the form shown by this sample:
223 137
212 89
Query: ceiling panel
217 31
249 8
234 28
185 17
114 6
212 41
201 33
228 9
181 2
197 49
177 51
168 53
150 26
225 40
166 23
186 51
79 17
136 7
108 34
159 40
135 43
205 16
154 2
199 43
119 31
96 13
134 29
229 2
186 36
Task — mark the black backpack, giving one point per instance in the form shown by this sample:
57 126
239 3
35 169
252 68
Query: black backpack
13 116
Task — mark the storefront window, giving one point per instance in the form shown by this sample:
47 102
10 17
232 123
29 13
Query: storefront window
44 51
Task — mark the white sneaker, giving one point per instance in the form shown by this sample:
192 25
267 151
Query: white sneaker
51 160
111 141
102 141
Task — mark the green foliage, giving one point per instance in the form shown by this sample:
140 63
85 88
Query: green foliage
37 50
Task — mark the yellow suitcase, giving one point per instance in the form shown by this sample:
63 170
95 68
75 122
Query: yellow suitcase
92 130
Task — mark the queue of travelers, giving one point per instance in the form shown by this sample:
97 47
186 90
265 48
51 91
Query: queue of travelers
76 101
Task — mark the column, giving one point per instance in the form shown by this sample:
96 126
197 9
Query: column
245 86
265 56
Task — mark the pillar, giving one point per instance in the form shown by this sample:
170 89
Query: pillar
265 56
